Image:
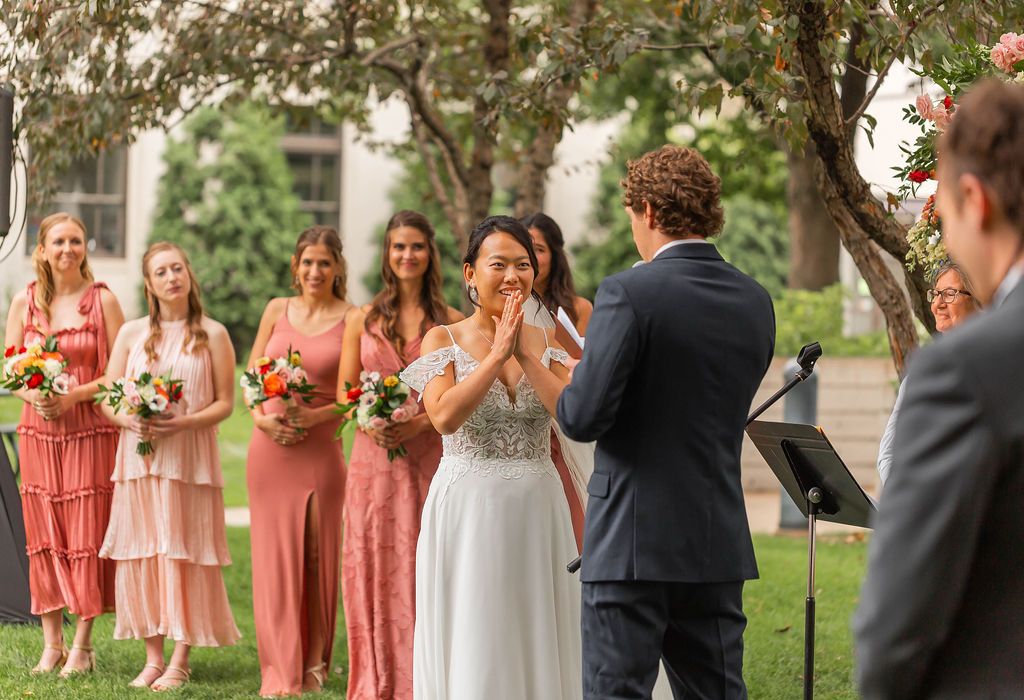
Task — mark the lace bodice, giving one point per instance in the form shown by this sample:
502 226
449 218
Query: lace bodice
500 432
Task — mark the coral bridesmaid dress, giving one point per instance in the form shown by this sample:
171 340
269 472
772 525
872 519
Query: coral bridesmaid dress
282 481
65 476
167 521
383 505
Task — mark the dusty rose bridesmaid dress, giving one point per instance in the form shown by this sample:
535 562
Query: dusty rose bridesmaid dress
65 476
167 520
383 505
282 481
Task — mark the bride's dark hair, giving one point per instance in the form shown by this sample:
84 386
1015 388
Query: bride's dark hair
500 224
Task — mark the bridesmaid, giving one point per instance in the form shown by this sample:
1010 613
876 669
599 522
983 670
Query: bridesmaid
554 278
555 287
384 500
167 521
297 479
67 448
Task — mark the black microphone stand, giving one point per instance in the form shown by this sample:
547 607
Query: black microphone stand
809 355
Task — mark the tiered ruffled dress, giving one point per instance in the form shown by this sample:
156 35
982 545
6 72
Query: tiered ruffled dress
383 505
282 481
65 476
167 520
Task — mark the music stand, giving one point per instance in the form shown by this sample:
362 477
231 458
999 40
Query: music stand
821 486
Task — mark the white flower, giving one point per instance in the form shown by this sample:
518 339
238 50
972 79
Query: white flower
157 404
52 368
367 399
61 384
147 392
363 416
374 377
251 394
281 363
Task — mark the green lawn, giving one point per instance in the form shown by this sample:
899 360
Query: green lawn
774 640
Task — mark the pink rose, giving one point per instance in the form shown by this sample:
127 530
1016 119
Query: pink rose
924 106
298 375
400 415
378 423
285 373
1001 57
1017 46
941 117
1008 38
131 394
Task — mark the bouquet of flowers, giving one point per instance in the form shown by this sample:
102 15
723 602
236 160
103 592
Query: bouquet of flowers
145 396
378 402
1004 60
39 366
282 377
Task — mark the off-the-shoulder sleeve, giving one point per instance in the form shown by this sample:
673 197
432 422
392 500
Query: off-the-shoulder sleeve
419 373
553 355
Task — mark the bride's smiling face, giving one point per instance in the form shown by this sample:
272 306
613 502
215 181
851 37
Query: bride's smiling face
502 266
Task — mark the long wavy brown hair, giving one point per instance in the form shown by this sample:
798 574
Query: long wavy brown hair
195 337
326 236
45 288
561 291
384 309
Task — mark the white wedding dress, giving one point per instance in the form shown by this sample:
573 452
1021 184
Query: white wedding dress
497 614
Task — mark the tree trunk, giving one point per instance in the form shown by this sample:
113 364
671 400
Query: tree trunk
859 215
540 155
813 235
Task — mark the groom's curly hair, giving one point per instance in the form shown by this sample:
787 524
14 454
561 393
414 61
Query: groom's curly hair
684 194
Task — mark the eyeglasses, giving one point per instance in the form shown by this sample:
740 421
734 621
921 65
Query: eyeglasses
948 294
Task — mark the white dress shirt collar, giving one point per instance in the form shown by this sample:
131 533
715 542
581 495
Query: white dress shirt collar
678 241
1008 284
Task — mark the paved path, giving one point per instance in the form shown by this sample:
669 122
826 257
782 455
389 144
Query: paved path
762 512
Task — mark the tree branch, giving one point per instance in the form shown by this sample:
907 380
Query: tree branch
893 56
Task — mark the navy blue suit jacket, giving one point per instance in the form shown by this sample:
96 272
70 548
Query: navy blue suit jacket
675 350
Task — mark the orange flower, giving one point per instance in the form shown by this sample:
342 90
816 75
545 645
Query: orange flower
53 356
273 385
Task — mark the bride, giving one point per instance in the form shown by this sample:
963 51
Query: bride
497 615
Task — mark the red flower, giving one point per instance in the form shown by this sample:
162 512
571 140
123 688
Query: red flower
9 351
354 393
264 369
22 349
948 102
176 393
917 175
34 381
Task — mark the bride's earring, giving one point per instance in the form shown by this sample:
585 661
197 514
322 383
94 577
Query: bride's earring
474 296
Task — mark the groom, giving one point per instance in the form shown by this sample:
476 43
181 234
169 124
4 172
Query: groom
675 350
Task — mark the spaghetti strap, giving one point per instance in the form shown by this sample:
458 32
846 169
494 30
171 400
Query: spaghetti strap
450 334
546 346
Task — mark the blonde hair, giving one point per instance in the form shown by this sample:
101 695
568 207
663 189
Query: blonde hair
195 337
45 288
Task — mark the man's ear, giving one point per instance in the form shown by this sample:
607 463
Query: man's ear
976 198
648 214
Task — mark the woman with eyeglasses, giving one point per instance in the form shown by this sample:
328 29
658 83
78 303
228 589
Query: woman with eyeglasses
952 301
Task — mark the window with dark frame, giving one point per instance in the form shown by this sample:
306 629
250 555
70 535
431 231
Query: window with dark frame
94 190
313 149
